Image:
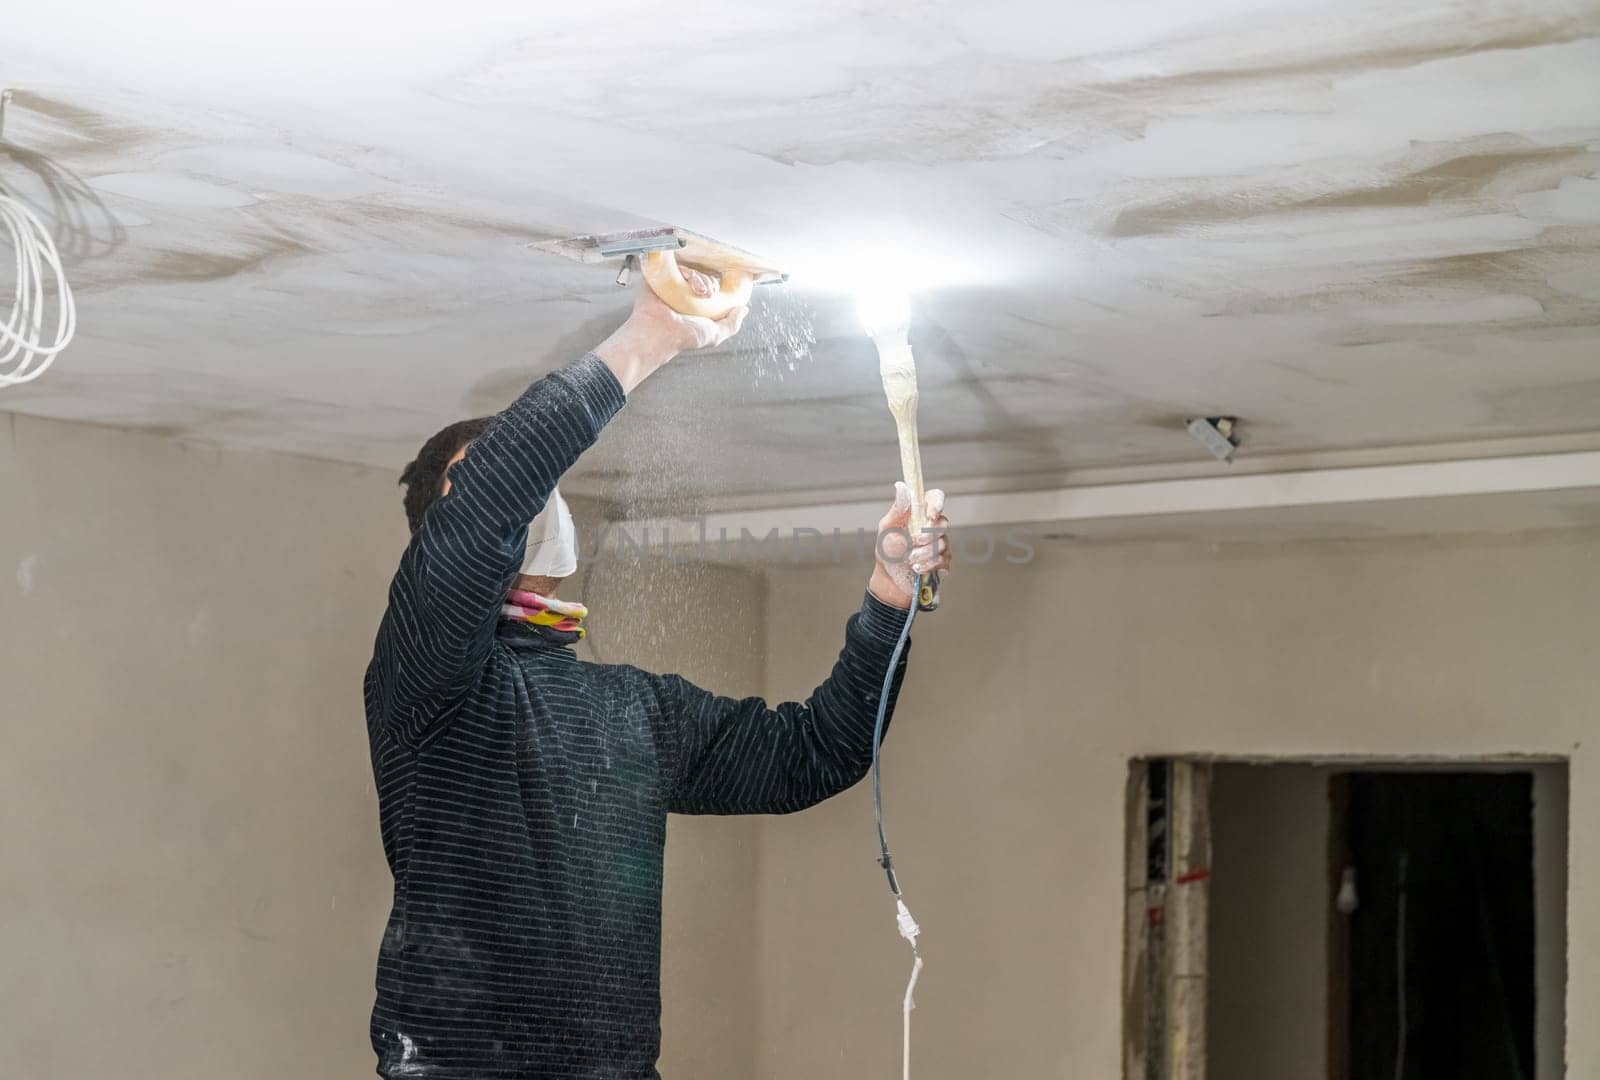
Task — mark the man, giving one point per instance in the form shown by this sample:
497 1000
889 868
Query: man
523 793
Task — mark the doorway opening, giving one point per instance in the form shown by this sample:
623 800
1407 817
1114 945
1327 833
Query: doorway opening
1347 921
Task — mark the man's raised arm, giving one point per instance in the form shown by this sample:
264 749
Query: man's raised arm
453 577
446 596
746 757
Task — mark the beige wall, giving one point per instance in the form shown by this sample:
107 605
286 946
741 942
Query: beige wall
1032 688
192 884
1267 961
1552 831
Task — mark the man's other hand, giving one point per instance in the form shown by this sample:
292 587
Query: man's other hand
902 558
654 333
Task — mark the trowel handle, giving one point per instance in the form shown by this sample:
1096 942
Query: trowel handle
911 459
665 279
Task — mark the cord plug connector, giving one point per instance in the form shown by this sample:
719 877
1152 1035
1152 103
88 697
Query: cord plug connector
908 926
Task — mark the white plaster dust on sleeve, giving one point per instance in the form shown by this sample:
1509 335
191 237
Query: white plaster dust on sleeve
25 574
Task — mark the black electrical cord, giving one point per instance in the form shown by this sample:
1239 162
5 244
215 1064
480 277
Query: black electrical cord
884 859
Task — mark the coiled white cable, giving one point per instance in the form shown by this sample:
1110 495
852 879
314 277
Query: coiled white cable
25 351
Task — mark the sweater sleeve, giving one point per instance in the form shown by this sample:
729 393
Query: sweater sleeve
446 595
746 757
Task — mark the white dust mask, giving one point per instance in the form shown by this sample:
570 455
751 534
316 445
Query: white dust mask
552 541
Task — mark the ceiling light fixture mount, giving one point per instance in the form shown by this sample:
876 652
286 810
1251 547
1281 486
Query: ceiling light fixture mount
1216 434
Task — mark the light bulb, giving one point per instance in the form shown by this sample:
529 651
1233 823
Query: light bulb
1347 901
884 312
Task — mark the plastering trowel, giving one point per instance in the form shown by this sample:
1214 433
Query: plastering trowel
658 253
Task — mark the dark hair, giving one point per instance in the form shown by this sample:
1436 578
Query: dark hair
423 479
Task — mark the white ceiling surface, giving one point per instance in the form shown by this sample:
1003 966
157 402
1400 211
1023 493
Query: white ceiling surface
304 227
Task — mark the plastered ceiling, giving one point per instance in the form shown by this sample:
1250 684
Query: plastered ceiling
1352 224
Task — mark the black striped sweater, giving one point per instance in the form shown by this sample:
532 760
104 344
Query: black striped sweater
523 793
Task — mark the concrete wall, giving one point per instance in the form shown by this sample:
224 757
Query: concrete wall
192 884
1267 1003
1032 688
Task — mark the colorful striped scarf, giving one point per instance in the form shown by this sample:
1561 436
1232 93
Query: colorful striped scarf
563 617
